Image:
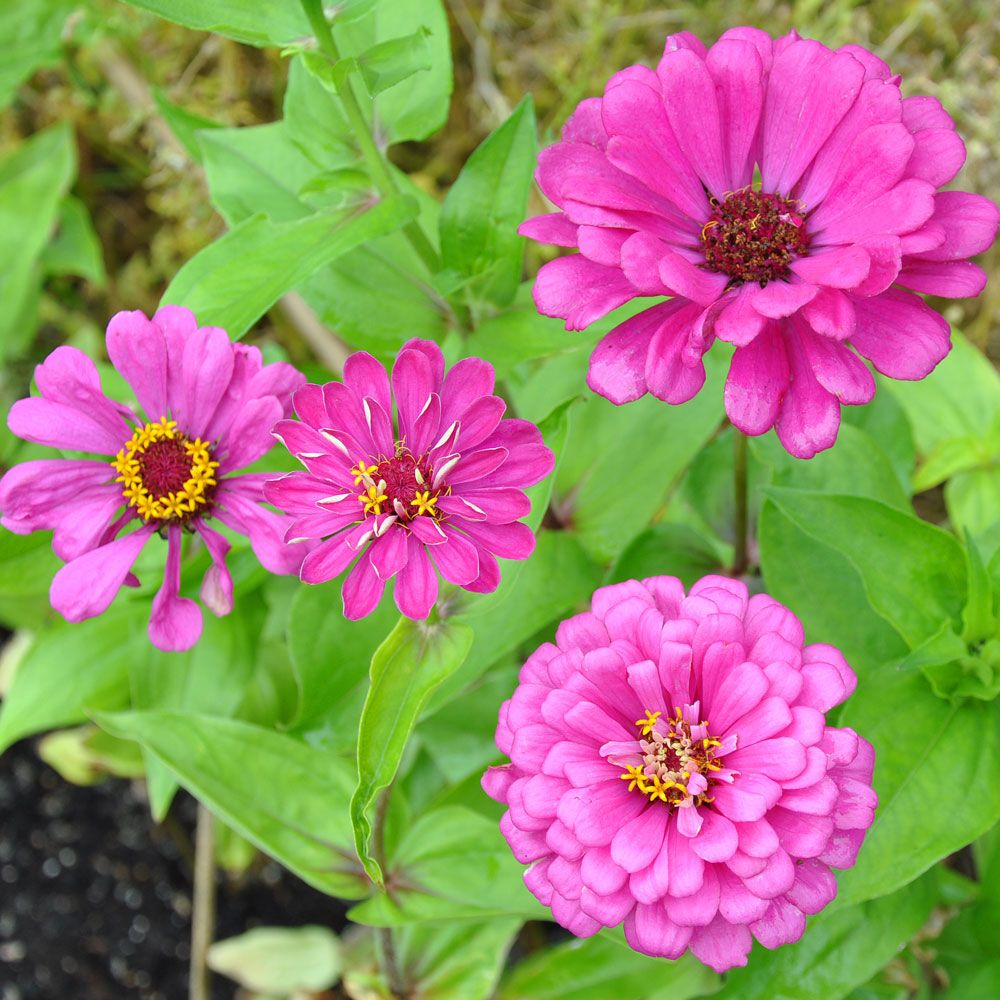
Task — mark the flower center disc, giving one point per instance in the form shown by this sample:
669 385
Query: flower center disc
677 760
754 236
400 485
165 475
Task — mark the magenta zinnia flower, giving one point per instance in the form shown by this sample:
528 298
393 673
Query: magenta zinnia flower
803 270
444 482
671 768
209 408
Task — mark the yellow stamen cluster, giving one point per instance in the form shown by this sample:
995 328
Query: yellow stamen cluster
670 758
373 498
363 471
425 503
173 505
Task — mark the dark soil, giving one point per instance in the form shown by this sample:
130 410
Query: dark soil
95 898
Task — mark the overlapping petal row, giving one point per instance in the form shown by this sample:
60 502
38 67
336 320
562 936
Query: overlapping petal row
786 197
206 407
672 769
435 486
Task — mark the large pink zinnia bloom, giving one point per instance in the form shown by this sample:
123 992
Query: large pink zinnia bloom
209 408
671 768
803 266
440 485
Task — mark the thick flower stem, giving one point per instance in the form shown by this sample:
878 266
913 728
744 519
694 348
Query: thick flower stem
203 906
373 157
741 560
387 946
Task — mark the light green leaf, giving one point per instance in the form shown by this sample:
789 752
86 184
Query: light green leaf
973 500
27 565
261 23
913 572
70 671
841 949
34 178
486 203
392 61
602 967
953 455
410 663
667 550
935 767
185 124
451 864
76 249
280 960
273 258
32 37
288 799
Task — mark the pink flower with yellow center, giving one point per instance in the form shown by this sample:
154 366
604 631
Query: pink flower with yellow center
672 770
786 197
209 408
437 484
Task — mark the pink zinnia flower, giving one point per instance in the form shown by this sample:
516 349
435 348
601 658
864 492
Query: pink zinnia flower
804 270
209 407
671 768
444 482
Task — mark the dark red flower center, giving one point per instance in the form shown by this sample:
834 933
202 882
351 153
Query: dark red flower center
165 466
754 236
400 485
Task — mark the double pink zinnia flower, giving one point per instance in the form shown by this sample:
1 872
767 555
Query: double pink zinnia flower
671 767
209 407
804 269
440 485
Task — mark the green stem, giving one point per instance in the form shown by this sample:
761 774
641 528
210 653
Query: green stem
203 906
741 559
387 945
373 157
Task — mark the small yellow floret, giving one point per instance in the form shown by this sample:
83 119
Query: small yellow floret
361 470
424 503
373 500
646 724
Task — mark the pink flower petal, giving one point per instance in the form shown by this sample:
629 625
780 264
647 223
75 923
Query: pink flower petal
810 415
902 336
138 351
416 583
175 623
217 584
362 590
757 382
250 437
579 291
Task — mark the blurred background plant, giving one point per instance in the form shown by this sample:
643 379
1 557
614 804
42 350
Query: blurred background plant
106 192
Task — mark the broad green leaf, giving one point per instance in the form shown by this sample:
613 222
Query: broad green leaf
841 949
486 203
948 457
554 429
885 421
236 279
27 565
185 124
667 550
602 967
935 767
518 335
620 462
451 864
33 181
76 249
962 397
314 118
825 591
280 960
70 671
973 499
418 105
913 572
32 37
413 660
331 656
392 61
440 961
255 170
261 23
285 797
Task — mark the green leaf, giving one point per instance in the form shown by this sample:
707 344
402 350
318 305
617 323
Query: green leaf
314 118
486 203
34 178
841 949
236 279
451 864
76 249
70 671
32 36
620 462
185 124
331 656
826 592
935 767
979 620
280 960
973 499
261 23
913 572
667 549
413 660
601 967
517 335
948 457
27 565
392 61
285 797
